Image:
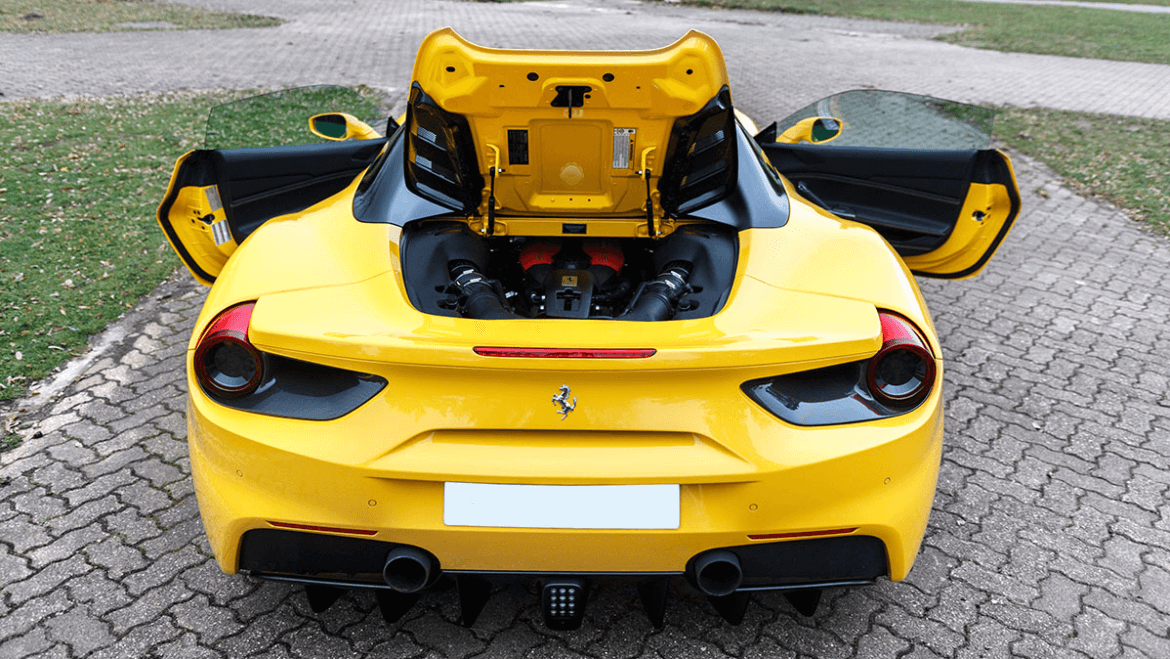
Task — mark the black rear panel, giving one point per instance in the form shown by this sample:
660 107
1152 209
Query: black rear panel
700 159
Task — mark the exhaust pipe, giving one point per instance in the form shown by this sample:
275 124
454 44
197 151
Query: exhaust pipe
716 573
409 569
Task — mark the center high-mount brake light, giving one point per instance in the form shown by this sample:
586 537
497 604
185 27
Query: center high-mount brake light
226 363
902 373
567 353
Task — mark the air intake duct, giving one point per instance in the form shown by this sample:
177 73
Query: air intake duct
479 297
658 299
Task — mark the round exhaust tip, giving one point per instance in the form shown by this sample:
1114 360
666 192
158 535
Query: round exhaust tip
717 572
408 569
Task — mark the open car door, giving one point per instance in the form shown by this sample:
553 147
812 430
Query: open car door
918 170
218 196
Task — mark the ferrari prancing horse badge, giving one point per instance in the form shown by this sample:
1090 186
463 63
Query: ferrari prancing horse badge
562 400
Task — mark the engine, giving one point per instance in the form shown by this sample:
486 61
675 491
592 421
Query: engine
452 271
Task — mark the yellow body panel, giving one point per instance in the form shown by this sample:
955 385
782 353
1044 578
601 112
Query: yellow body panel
191 216
984 213
573 167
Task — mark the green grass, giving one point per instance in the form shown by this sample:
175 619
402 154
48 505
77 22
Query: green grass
79 243
7 443
1121 159
105 15
1047 30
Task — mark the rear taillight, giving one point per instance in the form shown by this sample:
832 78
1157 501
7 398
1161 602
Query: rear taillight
901 374
226 363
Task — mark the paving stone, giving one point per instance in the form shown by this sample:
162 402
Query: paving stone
81 630
162 570
1129 610
23 618
116 557
880 642
31 644
1153 645
99 411
209 621
186 647
1155 588
141 640
38 504
131 525
22 534
65 545
148 605
46 579
84 514
259 633
1096 634
98 592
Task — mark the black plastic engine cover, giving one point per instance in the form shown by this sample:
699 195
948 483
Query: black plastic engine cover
568 294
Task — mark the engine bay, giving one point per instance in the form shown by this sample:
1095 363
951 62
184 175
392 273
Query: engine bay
450 270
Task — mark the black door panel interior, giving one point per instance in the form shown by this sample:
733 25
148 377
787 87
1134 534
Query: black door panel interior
910 196
259 184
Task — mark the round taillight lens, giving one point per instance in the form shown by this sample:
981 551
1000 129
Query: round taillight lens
901 374
226 363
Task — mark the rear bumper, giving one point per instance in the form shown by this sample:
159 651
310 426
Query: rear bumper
771 479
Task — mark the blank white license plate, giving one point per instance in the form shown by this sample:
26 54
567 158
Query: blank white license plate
561 506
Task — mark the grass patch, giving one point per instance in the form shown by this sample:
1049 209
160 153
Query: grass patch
79 244
1121 159
1046 30
105 16
8 443
78 240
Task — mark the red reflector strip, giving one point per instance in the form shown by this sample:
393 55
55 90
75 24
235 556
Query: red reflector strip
801 534
323 529
568 353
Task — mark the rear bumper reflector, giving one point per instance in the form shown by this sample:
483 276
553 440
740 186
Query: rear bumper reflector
567 353
323 529
801 534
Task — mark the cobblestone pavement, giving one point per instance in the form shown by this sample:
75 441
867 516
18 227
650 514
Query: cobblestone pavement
1050 535
786 61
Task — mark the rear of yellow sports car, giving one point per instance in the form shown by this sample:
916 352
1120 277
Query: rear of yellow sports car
578 331
451 426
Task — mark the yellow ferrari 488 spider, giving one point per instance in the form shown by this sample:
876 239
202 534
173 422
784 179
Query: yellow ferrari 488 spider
577 318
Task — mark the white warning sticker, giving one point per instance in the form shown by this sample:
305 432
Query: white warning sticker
623 147
213 200
221 232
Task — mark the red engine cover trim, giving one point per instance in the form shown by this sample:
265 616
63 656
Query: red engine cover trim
539 252
604 252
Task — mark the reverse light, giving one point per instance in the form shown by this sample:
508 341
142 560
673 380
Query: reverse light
226 363
902 373
567 353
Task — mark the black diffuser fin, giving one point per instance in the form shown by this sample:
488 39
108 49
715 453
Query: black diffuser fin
733 607
394 604
322 597
805 600
653 593
473 596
